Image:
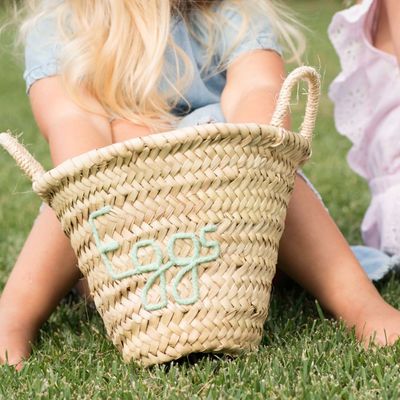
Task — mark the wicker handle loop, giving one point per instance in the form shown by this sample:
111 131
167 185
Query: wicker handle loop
22 157
312 77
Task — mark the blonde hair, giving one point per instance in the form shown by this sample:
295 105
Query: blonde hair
115 50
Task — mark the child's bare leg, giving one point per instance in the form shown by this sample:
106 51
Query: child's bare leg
46 268
44 272
315 254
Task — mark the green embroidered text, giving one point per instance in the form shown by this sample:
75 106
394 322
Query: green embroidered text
187 264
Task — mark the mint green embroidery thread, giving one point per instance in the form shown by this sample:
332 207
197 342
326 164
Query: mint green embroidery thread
155 266
103 248
209 243
187 263
139 269
192 263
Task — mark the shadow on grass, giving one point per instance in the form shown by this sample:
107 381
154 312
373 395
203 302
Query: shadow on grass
293 316
291 310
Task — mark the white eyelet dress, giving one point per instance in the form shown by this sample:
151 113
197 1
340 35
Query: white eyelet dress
366 95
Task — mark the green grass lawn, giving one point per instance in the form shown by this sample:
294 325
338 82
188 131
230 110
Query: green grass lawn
304 355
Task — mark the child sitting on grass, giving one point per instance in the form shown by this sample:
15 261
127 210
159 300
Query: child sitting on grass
100 72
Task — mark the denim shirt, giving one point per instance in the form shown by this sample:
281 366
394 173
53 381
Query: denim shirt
43 51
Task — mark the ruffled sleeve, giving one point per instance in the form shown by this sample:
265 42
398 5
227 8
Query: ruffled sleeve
350 90
365 91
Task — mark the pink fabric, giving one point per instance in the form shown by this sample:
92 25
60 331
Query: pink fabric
366 95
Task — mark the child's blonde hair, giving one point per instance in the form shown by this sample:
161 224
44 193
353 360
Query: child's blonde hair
115 50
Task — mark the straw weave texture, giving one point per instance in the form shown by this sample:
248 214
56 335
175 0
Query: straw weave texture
236 178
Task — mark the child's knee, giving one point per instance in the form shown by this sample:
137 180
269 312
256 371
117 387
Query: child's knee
124 130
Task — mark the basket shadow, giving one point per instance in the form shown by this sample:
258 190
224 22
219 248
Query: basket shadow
74 315
291 310
195 359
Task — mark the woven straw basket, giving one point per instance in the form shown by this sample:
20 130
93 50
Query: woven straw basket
178 232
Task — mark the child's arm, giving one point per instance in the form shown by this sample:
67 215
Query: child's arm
69 129
253 84
392 8
46 267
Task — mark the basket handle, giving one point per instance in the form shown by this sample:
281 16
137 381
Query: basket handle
28 164
310 75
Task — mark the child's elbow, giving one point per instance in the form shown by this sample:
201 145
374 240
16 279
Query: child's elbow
233 100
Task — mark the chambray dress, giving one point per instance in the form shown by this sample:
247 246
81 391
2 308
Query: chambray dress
43 52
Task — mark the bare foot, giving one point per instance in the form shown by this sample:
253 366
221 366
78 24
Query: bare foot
375 322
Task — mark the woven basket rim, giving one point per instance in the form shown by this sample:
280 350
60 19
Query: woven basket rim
72 167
